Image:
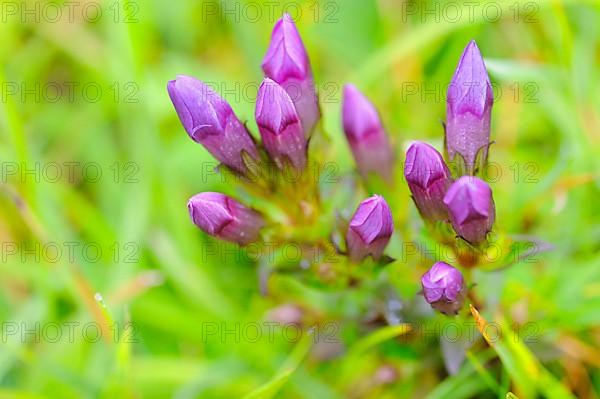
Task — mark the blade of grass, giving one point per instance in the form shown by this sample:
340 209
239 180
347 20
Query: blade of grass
271 387
529 375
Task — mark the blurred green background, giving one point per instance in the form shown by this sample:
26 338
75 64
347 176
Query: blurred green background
87 88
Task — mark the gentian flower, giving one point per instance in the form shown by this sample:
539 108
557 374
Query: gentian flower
428 178
279 125
471 208
210 121
365 134
370 229
287 63
223 217
468 112
444 288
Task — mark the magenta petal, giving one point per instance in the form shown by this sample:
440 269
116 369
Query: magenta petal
471 208
365 134
286 62
468 112
210 121
286 57
443 287
280 126
428 178
225 218
370 229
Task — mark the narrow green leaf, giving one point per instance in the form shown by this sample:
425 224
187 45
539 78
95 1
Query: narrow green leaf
271 387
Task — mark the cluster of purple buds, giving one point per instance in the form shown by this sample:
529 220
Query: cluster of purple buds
464 201
286 108
287 113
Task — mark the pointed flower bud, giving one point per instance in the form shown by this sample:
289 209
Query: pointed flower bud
210 121
468 112
370 229
225 218
428 178
444 288
280 126
367 137
287 63
471 208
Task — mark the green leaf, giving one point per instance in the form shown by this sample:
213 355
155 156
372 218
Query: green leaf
379 336
271 387
529 376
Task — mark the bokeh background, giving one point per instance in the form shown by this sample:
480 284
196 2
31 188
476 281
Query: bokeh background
108 240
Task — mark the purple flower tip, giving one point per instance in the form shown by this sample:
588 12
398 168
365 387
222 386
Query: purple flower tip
287 63
286 57
359 116
210 121
280 126
428 178
365 134
470 89
469 199
471 208
443 288
370 229
225 218
424 165
468 111
202 111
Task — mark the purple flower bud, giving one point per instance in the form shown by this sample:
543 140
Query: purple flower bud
370 229
428 178
223 217
210 121
444 288
287 63
468 111
367 137
471 208
280 126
